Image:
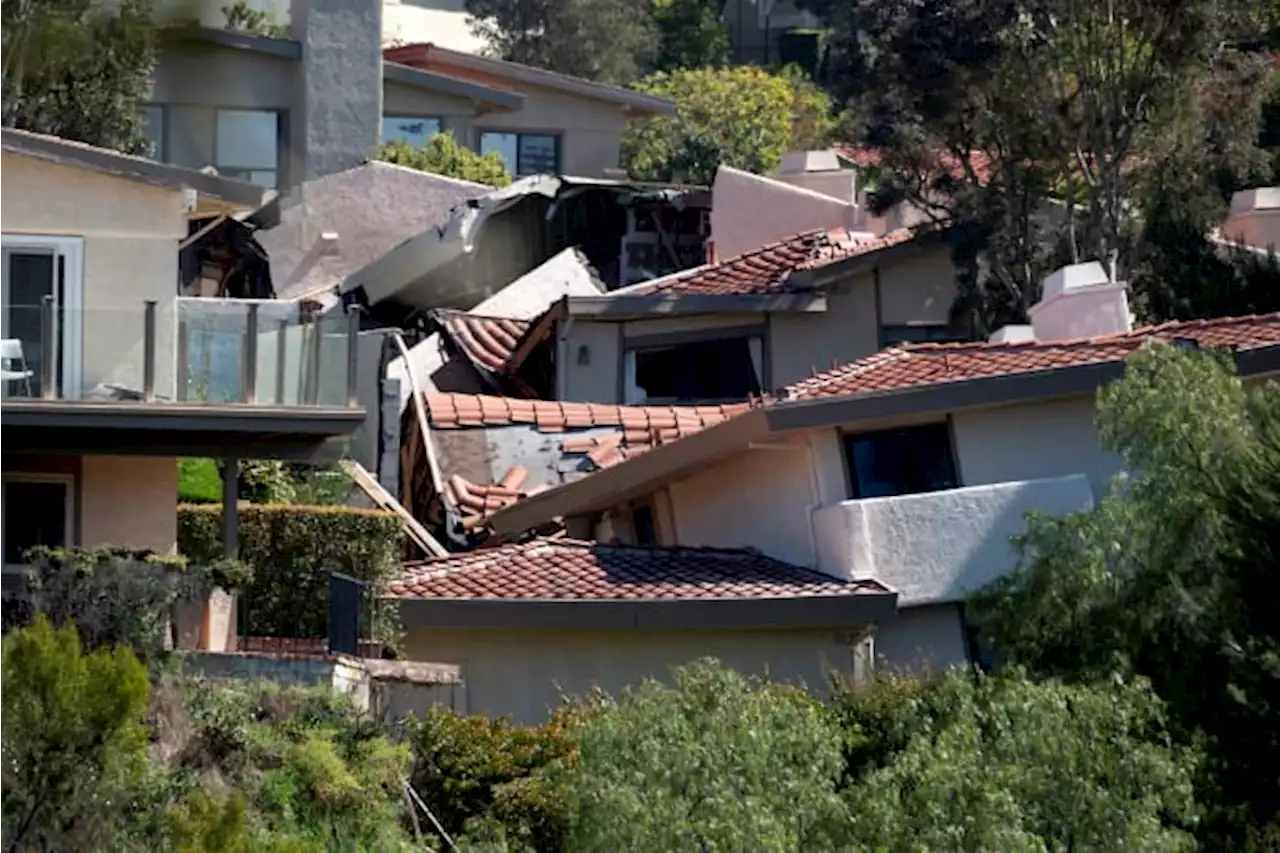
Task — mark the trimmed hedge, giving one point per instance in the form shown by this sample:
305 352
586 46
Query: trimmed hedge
292 549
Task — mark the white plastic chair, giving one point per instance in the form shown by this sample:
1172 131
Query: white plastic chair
11 356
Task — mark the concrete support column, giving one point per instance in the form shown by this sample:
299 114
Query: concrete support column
230 512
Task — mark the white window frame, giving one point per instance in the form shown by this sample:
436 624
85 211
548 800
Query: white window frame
69 517
71 348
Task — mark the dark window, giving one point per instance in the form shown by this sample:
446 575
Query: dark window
414 130
924 333
642 522
524 153
35 513
723 369
901 461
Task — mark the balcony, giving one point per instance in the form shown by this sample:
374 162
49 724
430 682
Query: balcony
192 351
937 547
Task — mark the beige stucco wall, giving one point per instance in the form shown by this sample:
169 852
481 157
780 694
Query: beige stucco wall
455 113
596 380
751 210
919 288
590 130
129 501
1033 441
524 672
922 638
130 235
802 343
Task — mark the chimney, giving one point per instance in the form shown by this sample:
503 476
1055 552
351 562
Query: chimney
1254 218
820 172
1013 335
1080 301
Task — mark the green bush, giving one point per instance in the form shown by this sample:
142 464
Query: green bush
475 772
199 480
291 550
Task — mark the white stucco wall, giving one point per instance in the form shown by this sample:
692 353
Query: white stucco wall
524 673
130 235
1032 441
938 547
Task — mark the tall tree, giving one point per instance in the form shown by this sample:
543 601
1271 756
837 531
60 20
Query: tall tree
78 69
691 34
610 41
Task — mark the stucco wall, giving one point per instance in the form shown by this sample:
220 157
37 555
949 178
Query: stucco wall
130 233
455 113
524 673
751 210
919 288
1032 441
803 343
597 379
922 638
129 501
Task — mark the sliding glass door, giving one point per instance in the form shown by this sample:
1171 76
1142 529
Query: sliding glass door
35 268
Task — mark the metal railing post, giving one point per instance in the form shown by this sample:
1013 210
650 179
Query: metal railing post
313 359
47 350
184 356
282 338
353 355
251 355
149 351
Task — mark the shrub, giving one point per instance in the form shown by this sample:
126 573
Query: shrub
199 480
475 772
442 155
73 740
292 549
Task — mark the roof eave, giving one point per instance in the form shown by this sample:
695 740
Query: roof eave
435 82
639 306
281 48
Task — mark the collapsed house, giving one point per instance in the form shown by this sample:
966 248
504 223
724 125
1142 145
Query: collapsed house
627 232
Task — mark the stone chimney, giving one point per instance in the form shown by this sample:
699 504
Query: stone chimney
1254 218
820 172
1080 301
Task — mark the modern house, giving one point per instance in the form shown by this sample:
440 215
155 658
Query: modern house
911 467
304 92
109 375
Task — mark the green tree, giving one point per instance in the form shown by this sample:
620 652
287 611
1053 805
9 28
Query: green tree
691 34
73 739
1012 765
609 41
715 762
743 117
442 155
1171 577
78 69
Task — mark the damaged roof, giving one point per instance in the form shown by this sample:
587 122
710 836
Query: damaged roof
769 268
544 569
487 342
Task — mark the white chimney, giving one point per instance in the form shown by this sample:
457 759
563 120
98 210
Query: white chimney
1254 218
820 172
1080 301
1013 335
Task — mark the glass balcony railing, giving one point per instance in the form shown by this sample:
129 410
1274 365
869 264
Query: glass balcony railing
193 351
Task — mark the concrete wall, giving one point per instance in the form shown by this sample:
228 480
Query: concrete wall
129 501
524 673
1033 441
130 235
938 547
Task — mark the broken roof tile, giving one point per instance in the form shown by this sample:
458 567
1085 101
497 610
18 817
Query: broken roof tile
564 569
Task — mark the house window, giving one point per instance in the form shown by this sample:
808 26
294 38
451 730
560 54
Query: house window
36 268
153 117
247 146
904 461
38 510
723 369
642 524
920 333
524 153
411 129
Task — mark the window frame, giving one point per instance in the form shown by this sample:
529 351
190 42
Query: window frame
557 135
69 515
163 153
71 337
281 159
848 436
632 346
439 120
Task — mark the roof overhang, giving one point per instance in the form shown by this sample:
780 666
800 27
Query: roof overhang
642 306
236 195
280 48
174 429
444 84
641 475
831 611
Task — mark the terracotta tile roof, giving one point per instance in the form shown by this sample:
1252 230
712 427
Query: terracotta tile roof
564 569
979 161
768 268
460 411
486 341
915 365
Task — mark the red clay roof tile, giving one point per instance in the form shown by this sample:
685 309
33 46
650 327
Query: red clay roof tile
487 342
917 365
768 268
562 569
